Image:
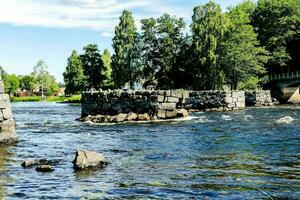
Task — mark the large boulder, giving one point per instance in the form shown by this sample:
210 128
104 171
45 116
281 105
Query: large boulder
86 159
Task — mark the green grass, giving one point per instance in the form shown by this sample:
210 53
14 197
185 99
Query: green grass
60 99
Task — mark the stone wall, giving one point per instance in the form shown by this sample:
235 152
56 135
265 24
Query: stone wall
7 124
119 106
215 100
259 98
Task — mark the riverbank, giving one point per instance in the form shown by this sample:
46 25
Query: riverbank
59 99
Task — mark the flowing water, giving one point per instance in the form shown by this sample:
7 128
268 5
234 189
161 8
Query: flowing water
233 155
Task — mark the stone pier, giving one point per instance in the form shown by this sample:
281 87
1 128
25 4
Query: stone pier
7 125
118 105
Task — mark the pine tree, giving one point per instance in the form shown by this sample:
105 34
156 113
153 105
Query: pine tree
123 44
73 76
93 67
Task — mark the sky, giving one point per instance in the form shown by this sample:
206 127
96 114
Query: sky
31 30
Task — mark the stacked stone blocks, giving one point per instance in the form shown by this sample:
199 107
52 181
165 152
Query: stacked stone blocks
7 124
259 98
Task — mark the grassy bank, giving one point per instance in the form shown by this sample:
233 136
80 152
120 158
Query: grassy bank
60 99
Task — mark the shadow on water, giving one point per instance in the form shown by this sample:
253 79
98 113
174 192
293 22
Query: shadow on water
5 179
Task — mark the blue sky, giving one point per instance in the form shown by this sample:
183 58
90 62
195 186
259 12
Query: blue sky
31 30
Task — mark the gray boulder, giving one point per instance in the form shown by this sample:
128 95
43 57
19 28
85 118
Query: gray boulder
85 159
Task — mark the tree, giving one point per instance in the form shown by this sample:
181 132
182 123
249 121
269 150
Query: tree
163 40
208 28
51 86
73 76
277 23
149 51
242 56
45 81
123 44
27 82
40 73
93 67
106 59
11 83
2 72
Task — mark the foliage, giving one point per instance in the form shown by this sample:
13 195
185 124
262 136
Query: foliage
73 76
208 29
106 59
26 99
93 67
250 83
72 99
278 26
123 45
27 82
241 56
162 42
46 82
11 83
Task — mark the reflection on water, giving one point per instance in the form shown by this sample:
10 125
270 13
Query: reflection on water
5 179
249 156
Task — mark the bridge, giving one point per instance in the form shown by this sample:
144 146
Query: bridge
285 87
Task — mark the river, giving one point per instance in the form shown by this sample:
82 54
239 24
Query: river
225 155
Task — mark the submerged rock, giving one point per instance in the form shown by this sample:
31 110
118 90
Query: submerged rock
285 120
85 159
33 162
44 168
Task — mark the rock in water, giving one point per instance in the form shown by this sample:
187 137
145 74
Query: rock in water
182 113
85 159
44 168
285 120
31 162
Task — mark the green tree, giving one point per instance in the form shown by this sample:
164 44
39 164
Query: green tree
51 86
123 44
106 59
163 40
11 83
73 76
149 51
277 23
242 57
40 73
93 67
28 82
45 81
208 27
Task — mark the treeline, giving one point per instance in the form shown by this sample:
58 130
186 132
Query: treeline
238 48
40 81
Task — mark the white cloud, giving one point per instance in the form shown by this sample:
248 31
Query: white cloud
99 15
107 34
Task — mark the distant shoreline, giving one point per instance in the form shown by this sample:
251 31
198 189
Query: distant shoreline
58 99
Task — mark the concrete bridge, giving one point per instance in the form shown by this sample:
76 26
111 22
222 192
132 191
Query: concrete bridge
285 87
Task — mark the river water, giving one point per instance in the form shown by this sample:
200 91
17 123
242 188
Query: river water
232 155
